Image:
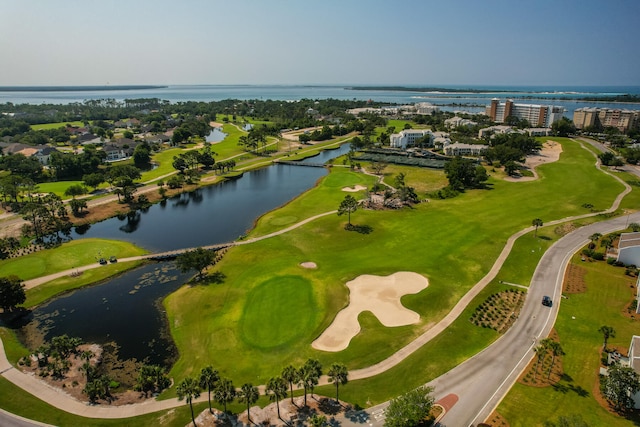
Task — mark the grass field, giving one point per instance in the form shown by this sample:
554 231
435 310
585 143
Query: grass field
46 126
427 239
69 255
609 290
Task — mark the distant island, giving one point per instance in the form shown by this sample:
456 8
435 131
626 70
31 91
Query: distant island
522 94
424 89
76 88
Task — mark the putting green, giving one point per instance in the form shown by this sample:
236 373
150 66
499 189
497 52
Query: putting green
278 311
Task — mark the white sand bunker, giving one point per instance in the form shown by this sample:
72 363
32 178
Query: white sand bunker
308 264
379 295
354 189
549 153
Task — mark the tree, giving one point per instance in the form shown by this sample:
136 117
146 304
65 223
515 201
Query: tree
339 375
77 206
378 166
122 177
607 332
536 223
152 378
188 389
224 392
410 409
197 259
618 387
208 379
248 395
347 206
47 215
541 354
11 292
309 376
75 190
556 350
290 374
93 180
563 127
142 155
462 174
277 389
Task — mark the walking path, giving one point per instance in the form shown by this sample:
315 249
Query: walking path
64 402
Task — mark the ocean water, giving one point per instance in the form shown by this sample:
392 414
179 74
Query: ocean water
448 100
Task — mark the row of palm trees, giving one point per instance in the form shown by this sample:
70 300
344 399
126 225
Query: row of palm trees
542 349
224 392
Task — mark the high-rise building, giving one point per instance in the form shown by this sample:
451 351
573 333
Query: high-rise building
536 115
623 120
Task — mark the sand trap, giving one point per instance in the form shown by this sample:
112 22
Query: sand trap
549 153
308 264
354 189
379 295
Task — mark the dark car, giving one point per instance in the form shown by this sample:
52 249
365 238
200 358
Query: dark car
113 259
102 261
546 300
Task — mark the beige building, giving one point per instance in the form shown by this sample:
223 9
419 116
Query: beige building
536 115
623 120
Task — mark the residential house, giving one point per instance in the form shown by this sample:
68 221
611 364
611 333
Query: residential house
157 139
88 138
121 149
43 154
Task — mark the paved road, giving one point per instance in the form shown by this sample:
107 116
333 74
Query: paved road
484 380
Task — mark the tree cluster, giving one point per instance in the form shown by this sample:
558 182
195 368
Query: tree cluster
12 292
464 173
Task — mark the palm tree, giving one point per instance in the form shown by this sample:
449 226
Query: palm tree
541 354
536 223
224 392
248 394
607 332
290 374
208 379
556 350
188 389
309 376
338 374
277 389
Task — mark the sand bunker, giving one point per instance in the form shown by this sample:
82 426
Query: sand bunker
308 264
354 189
379 295
549 153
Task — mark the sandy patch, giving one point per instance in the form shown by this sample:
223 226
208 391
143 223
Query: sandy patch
216 125
308 264
379 295
354 189
549 153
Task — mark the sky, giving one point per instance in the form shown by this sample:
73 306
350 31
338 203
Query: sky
367 42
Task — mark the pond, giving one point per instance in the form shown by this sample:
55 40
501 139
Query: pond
127 310
216 135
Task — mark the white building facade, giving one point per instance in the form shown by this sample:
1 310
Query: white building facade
408 138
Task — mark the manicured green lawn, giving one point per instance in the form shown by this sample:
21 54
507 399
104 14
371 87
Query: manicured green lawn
267 323
580 317
429 239
452 242
69 255
46 126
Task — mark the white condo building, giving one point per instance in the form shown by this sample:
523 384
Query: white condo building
408 138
